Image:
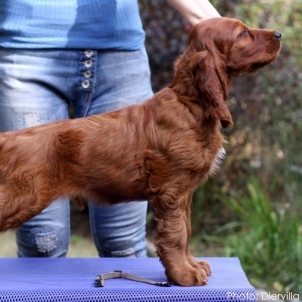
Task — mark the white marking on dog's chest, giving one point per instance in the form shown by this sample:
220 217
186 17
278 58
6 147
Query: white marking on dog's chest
217 161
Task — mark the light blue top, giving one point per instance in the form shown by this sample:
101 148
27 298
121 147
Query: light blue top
80 24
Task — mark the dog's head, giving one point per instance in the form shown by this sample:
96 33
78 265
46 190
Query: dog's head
220 49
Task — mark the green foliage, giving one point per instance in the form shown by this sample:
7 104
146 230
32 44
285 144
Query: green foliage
267 240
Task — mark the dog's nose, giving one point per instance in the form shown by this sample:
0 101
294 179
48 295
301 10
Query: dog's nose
278 35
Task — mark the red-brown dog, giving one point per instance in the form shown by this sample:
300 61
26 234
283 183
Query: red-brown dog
160 150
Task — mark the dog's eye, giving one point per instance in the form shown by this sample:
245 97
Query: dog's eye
243 33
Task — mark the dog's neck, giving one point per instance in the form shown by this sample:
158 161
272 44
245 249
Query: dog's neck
182 86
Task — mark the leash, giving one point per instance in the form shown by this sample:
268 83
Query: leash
100 279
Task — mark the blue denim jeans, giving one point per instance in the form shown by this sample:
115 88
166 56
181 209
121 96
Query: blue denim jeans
36 87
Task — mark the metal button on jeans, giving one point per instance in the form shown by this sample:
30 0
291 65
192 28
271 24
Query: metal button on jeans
88 53
87 74
88 63
85 84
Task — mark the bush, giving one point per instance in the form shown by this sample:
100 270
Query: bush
267 240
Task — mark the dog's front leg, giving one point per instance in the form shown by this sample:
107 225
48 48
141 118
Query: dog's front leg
172 239
195 263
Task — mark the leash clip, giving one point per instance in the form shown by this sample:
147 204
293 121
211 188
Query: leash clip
165 284
100 279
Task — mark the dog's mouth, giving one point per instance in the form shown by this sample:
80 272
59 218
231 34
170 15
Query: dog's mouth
258 65
252 68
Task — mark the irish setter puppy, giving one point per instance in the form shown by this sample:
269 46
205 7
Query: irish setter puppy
160 150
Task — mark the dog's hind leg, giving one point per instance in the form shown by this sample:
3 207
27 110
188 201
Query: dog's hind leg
16 209
24 195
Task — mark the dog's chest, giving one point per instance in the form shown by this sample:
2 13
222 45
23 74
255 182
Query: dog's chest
218 160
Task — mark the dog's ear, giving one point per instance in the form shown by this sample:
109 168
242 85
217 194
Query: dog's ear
210 79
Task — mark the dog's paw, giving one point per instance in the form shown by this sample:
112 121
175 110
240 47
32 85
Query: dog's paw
204 265
188 276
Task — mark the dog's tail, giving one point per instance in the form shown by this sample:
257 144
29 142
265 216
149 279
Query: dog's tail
2 140
6 209
3 201
11 209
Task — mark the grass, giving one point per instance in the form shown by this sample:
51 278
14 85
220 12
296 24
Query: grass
267 240
7 244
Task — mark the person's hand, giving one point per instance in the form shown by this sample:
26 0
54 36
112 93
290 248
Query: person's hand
195 10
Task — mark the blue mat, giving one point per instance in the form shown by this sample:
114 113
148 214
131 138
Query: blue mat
72 279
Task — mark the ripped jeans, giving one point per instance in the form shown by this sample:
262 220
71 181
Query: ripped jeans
36 87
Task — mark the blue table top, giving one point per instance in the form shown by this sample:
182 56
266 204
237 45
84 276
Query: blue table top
72 279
